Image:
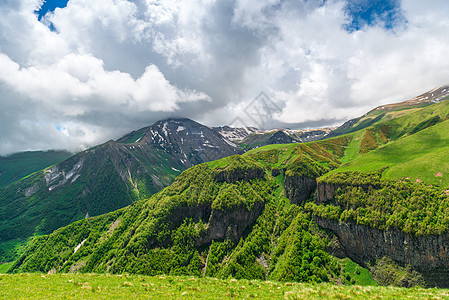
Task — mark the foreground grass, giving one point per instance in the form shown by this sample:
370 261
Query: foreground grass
104 286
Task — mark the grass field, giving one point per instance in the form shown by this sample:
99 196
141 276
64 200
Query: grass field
93 286
360 275
419 156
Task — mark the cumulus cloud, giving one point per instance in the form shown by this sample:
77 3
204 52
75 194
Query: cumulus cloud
95 70
76 88
337 73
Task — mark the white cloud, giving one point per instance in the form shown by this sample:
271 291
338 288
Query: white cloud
114 65
75 80
339 75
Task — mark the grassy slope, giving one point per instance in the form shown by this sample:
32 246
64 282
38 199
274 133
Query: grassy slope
409 149
255 140
19 165
4 267
383 114
90 286
360 275
402 143
188 190
420 155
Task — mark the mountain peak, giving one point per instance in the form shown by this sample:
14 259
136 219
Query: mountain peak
235 134
433 96
176 121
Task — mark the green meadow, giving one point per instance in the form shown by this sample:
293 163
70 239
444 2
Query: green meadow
105 286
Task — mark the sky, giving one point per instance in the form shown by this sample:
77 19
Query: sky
77 73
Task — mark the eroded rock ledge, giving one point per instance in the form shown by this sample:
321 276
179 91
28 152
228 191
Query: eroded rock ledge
234 175
299 188
429 254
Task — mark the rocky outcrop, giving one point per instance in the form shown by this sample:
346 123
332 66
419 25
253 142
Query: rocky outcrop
31 190
56 176
220 225
238 174
427 254
299 188
325 192
230 224
280 137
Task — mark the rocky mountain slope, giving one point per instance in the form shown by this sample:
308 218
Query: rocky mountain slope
104 178
230 217
138 165
184 140
235 134
254 138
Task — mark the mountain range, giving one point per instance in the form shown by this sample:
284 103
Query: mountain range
374 192
136 165
104 178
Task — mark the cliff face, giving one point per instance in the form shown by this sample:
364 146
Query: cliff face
428 255
220 225
232 176
325 192
299 188
230 225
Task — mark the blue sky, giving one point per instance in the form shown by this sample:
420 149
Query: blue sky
369 13
95 70
361 13
50 5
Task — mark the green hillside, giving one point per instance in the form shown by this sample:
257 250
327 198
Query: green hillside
76 188
390 111
18 165
227 218
252 216
419 156
102 179
412 146
255 140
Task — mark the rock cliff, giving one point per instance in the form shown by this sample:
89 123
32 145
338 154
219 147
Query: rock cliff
230 225
429 255
299 188
219 225
325 192
234 175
